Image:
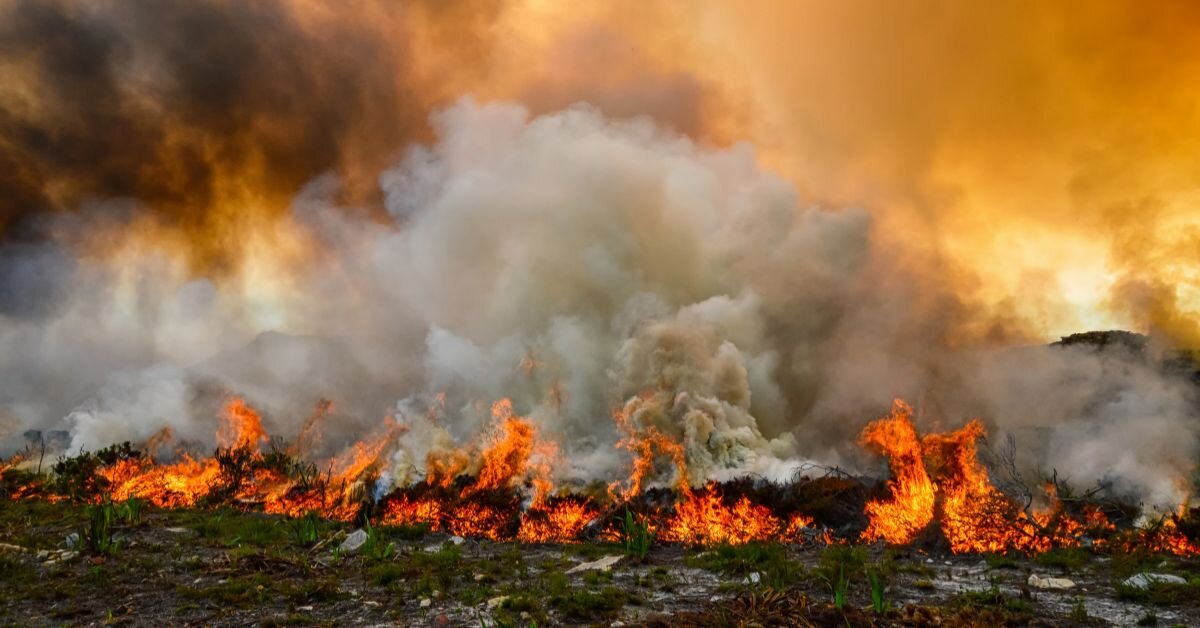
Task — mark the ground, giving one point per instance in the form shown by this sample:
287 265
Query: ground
231 568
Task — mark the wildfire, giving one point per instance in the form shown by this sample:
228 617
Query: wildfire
503 488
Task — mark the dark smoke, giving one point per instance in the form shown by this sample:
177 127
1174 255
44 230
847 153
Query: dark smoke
167 101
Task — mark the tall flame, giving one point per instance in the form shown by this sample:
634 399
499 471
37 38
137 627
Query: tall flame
910 509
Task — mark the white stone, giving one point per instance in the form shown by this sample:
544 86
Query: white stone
1144 580
1038 582
354 540
600 564
426 602
457 540
753 578
496 601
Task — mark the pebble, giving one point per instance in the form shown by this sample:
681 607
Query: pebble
426 602
354 541
1144 580
601 564
1039 582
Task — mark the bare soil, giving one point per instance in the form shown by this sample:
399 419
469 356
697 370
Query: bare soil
231 568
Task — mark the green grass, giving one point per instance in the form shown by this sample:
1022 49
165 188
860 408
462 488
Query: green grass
229 528
636 535
585 604
98 533
240 592
1067 559
1161 593
1000 561
770 560
990 598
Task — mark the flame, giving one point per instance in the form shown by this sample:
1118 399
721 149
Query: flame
506 459
702 518
560 522
898 520
646 444
241 427
937 479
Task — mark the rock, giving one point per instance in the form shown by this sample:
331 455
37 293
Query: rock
753 578
304 608
496 601
1144 580
174 530
43 554
9 547
354 541
426 602
457 540
1038 582
601 564
72 541
442 620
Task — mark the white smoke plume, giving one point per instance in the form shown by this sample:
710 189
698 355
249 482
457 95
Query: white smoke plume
576 264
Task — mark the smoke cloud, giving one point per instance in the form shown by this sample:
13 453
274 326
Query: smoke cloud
751 251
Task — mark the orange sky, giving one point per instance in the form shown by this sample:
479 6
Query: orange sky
1044 159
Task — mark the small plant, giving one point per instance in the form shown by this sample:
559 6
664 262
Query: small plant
878 593
306 530
1079 612
97 535
376 547
130 510
840 586
636 534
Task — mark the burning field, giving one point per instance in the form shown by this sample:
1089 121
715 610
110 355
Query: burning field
277 531
509 312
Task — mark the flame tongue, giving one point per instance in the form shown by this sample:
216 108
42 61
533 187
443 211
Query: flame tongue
898 520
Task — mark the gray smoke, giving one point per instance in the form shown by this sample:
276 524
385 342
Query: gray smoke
578 264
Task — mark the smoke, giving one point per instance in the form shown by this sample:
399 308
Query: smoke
210 113
207 199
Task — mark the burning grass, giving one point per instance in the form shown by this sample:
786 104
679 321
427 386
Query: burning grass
939 494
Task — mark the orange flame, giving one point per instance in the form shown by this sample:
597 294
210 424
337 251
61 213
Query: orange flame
241 427
911 508
704 519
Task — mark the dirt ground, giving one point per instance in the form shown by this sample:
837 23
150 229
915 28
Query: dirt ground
229 568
